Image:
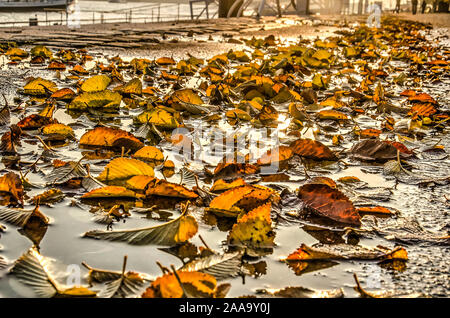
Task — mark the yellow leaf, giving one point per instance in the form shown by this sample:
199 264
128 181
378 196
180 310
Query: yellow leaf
234 201
238 113
110 138
331 114
58 129
106 100
167 286
109 192
151 154
159 117
253 229
39 86
96 83
221 185
120 169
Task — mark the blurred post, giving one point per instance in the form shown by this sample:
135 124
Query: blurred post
225 6
302 6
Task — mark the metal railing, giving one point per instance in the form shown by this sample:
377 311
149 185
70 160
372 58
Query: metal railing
150 13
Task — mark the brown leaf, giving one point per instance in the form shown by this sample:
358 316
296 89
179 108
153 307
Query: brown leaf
375 150
312 149
110 138
330 203
11 184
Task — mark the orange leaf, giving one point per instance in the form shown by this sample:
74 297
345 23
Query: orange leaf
281 153
374 210
110 138
312 149
109 192
168 286
11 184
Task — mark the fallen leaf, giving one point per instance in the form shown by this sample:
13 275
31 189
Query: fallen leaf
312 149
330 203
110 138
176 231
121 169
253 229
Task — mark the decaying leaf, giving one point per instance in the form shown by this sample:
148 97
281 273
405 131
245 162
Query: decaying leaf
104 100
234 201
21 217
108 192
176 231
375 150
195 284
11 189
312 149
121 169
346 252
110 138
32 269
253 229
221 266
329 202
118 284
150 154
301 292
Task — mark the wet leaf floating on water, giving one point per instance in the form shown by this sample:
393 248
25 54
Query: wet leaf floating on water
275 156
35 121
121 169
377 150
301 292
65 94
118 284
234 201
329 202
346 252
176 231
40 87
109 192
221 266
58 131
220 185
32 269
10 140
168 189
231 168
113 138
331 114
254 229
5 115
11 189
106 101
41 50
96 83
48 197
195 285
376 210
150 154
134 86
159 117
66 171
21 217
312 149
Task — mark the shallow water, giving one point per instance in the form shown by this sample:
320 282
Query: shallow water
427 269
